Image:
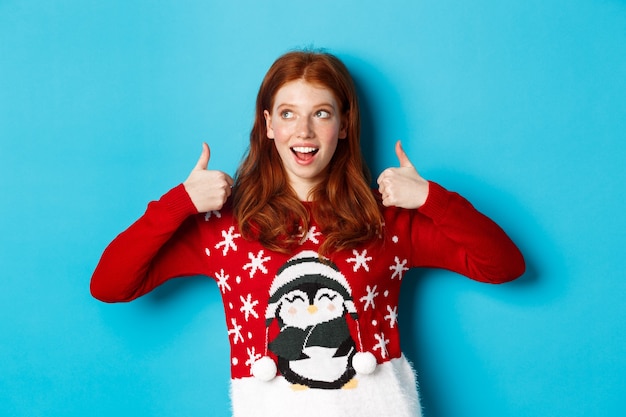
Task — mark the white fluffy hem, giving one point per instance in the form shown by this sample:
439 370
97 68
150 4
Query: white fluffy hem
389 391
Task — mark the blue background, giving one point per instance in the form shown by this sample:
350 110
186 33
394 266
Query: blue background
518 105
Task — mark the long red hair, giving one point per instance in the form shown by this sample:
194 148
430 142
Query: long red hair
343 205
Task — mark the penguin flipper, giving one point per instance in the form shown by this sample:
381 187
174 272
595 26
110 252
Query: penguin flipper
345 348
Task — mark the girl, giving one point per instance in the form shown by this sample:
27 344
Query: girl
308 259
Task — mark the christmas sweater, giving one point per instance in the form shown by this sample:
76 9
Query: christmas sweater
312 334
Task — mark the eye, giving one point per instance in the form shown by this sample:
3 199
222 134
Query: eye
322 114
286 114
294 298
329 297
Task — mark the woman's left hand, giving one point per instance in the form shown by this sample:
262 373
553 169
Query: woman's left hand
403 187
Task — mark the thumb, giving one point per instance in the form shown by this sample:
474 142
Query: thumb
404 160
203 162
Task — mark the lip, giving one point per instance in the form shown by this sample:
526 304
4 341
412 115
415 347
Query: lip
304 154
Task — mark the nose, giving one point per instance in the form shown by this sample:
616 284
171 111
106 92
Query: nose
312 309
304 128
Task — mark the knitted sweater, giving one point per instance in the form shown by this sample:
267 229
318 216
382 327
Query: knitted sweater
302 328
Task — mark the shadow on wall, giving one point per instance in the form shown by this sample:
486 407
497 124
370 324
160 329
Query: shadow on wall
539 286
375 143
534 288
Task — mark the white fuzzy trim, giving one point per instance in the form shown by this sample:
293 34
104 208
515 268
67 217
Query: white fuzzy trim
389 391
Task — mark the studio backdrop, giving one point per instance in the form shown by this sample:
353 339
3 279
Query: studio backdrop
520 106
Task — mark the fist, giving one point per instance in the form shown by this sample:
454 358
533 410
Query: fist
403 186
207 189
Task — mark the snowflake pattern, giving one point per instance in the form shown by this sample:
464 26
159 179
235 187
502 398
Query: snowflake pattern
252 356
248 307
360 260
235 331
399 268
229 240
369 273
256 263
222 281
209 214
381 345
392 316
311 235
369 298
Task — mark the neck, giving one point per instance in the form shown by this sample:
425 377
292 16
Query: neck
303 189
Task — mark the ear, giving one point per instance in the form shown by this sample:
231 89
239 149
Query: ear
268 124
343 129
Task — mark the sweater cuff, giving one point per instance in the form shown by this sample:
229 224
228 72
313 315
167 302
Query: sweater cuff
178 204
437 201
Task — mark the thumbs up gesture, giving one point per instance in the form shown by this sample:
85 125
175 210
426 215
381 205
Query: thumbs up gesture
207 189
402 187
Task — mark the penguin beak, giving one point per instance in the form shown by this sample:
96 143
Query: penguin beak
312 309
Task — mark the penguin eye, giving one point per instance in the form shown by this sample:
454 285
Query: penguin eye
294 298
330 297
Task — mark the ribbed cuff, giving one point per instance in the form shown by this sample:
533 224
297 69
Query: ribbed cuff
178 204
437 201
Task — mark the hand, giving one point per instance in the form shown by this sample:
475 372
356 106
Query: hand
207 189
402 187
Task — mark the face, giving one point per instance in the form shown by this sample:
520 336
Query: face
305 124
298 309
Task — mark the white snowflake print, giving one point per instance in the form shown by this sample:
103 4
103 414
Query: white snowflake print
209 214
360 260
248 306
369 298
311 235
256 263
399 268
382 344
229 240
252 356
235 331
222 281
392 316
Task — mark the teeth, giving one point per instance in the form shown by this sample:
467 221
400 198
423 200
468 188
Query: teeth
303 149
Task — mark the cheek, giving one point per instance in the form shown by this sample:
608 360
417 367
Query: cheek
331 307
292 311
282 131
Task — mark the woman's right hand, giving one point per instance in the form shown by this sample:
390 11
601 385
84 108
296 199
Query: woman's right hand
207 189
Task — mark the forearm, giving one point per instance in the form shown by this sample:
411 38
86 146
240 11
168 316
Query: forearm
466 241
142 257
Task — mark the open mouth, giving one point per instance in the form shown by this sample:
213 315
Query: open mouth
304 153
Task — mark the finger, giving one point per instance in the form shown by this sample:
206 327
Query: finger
402 157
203 162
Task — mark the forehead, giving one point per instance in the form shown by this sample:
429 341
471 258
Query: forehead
303 93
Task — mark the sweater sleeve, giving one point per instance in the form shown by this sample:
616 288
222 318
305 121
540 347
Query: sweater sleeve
161 244
448 232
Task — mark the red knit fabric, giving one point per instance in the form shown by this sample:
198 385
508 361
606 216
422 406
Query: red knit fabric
172 240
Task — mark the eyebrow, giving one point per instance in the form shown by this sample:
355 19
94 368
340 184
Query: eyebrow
323 104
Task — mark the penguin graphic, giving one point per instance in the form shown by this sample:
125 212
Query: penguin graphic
310 299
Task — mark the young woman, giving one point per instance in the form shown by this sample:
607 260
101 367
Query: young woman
308 258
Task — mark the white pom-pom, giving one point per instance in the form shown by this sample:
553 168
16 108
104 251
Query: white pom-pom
264 369
364 362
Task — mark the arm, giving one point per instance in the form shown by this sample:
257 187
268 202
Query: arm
447 231
164 243
158 246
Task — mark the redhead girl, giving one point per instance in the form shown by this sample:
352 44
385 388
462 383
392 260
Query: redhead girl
308 258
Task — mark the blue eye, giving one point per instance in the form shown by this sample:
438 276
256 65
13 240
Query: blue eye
286 114
322 114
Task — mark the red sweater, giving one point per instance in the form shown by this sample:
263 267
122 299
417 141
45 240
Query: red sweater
354 294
